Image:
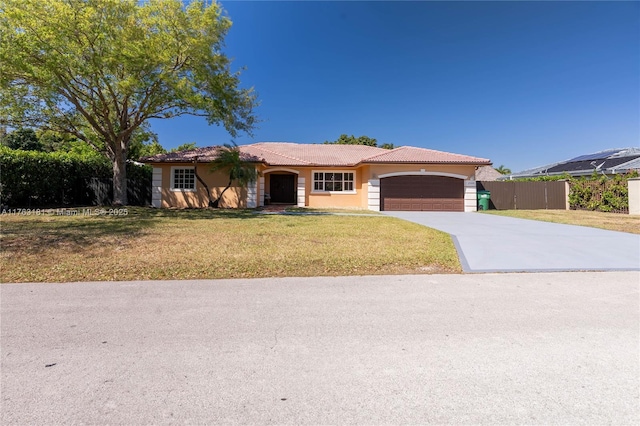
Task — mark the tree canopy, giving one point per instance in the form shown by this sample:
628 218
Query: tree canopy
23 139
360 140
100 69
143 143
503 170
185 147
352 140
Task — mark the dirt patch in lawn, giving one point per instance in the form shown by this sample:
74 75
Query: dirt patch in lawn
165 244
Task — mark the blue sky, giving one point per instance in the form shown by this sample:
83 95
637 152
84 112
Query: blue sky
521 83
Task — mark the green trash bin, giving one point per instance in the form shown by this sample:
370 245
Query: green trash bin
483 200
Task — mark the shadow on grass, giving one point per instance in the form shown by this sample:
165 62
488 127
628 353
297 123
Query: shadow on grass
75 233
191 214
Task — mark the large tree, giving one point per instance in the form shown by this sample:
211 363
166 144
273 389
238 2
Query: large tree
99 69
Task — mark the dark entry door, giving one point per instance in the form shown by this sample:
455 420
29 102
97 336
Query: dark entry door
283 189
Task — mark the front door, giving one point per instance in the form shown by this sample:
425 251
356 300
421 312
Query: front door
283 188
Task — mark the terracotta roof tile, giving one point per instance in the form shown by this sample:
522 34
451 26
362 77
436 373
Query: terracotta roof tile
410 154
487 173
202 154
295 154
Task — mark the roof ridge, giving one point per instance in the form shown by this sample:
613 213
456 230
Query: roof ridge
428 150
278 153
386 151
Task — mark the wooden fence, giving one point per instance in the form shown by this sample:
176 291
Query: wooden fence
514 195
101 191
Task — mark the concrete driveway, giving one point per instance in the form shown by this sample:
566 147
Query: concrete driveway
488 243
556 348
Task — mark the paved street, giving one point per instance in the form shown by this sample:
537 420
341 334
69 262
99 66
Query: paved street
551 348
491 243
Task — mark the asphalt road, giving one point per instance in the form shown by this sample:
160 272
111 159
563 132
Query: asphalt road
446 349
491 243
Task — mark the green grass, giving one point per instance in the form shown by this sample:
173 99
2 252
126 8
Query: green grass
610 221
191 244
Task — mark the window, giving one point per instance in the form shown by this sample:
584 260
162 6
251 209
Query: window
183 179
333 182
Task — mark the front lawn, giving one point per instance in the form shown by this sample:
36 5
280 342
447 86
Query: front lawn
151 244
611 221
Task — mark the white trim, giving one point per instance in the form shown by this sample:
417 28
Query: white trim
261 186
333 192
633 186
252 195
373 195
317 192
156 187
470 196
280 169
172 184
301 192
422 173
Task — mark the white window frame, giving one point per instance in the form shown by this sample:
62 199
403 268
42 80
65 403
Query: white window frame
318 191
173 176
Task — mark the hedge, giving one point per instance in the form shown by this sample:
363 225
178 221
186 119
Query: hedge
601 193
42 179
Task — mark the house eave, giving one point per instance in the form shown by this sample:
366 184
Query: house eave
453 163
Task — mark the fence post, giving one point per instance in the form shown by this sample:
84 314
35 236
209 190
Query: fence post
567 191
634 195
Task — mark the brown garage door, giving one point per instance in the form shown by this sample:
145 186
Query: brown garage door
422 193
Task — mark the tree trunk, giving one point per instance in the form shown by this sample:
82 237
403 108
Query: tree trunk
216 203
120 177
206 187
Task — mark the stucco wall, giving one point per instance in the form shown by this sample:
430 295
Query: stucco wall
634 196
234 197
320 199
237 197
335 199
375 170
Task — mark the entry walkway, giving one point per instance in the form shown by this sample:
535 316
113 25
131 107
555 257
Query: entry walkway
488 243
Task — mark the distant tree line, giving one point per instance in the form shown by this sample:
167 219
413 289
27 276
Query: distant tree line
144 143
360 140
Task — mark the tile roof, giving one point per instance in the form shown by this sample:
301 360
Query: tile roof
410 154
299 154
203 155
487 173
295 154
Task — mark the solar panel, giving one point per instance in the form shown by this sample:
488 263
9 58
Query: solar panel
597 156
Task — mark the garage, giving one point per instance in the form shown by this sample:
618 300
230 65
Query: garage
421 193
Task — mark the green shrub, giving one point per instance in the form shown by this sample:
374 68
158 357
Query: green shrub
564 176
41 179
601 193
